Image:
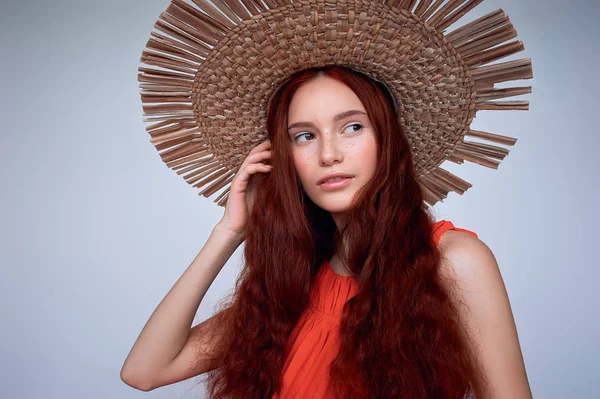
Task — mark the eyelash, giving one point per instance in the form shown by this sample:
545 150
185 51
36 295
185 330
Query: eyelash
353 124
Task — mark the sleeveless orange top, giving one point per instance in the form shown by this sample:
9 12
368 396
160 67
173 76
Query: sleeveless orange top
314 339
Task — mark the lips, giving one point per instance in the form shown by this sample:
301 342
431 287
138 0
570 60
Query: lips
337 179
332 176
336 185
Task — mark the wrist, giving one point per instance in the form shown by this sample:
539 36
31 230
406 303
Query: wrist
236 237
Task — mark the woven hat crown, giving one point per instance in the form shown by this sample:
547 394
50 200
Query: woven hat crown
221 63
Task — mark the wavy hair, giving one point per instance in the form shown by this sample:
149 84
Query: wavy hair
400 335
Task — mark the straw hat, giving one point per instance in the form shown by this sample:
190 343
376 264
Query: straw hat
219 63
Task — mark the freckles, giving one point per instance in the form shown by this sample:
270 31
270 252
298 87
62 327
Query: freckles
301 161
360 147
303 158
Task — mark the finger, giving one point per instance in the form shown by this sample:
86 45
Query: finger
243 177
264 146
253 169
254 158
259 156
250 182
260 147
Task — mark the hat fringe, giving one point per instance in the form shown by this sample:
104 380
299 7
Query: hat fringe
502 72
493 54
482 149
437 184
186 33
494 94
475 29
473 156
453 182
496 138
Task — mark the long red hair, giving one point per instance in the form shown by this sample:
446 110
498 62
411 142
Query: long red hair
400 335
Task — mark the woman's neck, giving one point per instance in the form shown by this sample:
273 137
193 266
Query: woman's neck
337 267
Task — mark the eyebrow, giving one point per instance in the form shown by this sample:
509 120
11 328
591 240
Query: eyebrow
336 118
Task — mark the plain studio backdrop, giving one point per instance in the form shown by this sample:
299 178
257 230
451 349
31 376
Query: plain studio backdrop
96 229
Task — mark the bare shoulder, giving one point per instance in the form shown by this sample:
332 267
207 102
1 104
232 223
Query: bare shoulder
466 256
453 239
478 288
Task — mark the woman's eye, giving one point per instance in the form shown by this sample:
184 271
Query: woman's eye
300 135
356 124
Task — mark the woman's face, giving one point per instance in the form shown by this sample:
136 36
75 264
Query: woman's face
330 132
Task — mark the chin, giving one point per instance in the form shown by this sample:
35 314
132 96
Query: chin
333 203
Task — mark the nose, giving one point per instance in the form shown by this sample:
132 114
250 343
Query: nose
329 151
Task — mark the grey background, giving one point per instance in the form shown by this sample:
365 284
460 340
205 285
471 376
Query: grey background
96 229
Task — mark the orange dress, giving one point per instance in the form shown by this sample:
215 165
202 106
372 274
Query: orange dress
314 339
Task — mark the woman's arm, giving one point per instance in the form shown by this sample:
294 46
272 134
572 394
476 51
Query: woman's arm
485 309
167 350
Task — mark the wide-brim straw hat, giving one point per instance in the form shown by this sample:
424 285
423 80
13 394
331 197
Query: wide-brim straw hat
218 64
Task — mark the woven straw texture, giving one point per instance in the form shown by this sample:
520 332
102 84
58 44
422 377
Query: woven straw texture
219 64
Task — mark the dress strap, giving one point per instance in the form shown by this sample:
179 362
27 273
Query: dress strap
441 226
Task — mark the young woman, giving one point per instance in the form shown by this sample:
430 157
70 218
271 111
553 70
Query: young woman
349 289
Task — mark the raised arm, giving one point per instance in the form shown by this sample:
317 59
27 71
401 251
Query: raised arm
168 350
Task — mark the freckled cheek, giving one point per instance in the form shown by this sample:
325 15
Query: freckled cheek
301 163
364 149
366 152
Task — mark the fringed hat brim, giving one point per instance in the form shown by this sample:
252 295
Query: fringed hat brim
220 64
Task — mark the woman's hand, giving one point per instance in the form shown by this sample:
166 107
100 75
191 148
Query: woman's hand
243 188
